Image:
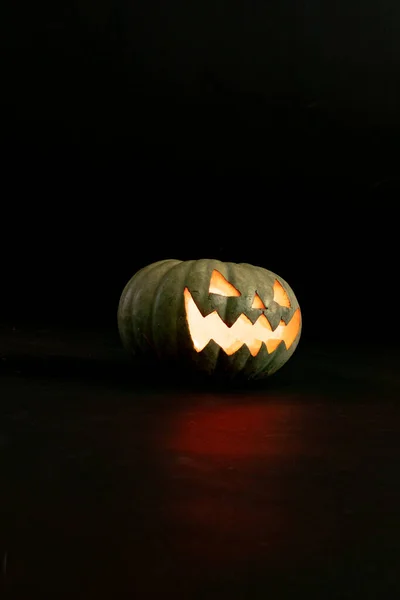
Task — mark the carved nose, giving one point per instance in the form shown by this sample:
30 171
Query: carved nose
258 303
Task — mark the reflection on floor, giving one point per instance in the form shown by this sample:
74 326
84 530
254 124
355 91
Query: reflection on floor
115 486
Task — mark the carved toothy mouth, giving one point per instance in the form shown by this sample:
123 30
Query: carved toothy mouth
243 331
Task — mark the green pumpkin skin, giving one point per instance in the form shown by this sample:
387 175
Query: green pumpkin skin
153 325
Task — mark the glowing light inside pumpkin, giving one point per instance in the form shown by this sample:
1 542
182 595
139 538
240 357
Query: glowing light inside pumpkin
220 285
258 303
280 295
230 339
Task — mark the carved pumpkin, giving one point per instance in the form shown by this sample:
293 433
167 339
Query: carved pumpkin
237 320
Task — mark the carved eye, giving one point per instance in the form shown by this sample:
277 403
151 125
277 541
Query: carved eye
220 285
280 295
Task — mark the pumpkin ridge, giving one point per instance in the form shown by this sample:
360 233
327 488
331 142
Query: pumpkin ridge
158 316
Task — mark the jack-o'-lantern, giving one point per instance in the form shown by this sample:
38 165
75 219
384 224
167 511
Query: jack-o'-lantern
233 319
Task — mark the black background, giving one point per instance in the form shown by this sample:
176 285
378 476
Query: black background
252 132
262 132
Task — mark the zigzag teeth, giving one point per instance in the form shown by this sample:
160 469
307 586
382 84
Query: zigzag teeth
230 339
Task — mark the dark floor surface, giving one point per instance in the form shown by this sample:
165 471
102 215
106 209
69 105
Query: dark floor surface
116 486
